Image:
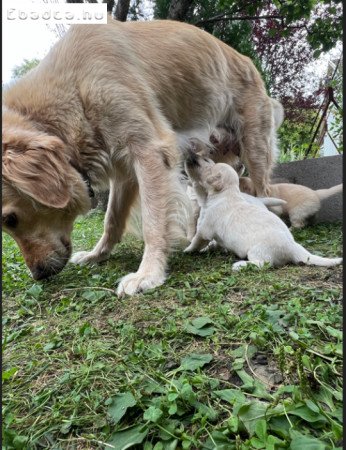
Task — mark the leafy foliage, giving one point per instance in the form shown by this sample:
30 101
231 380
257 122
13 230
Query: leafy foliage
210 360
295 137
25 67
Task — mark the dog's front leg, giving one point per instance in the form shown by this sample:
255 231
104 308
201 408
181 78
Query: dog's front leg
157 185
121 195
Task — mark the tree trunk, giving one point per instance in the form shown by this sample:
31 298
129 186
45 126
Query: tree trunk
178 9
110 4
122 10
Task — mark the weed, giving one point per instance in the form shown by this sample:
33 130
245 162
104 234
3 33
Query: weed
211 360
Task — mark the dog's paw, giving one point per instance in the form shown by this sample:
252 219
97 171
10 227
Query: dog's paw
83 258
137 282
189 249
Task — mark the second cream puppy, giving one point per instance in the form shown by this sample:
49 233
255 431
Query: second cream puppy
301 201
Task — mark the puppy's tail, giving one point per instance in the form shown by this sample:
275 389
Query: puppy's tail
272 201
326 193
301 255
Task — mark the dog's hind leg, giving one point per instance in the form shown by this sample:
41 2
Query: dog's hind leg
298 216
258 146
257 255
258 160
121 196
158 183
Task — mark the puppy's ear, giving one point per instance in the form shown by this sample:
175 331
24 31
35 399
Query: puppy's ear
215 181
37 165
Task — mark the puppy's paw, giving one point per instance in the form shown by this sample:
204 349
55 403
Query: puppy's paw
137 282
83 258
239 265
212 246
189 249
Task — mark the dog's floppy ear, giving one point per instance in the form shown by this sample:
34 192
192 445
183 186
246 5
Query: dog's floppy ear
215 181
36 165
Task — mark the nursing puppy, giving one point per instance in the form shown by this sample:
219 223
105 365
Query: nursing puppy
106 108
197 197
247 230
301 202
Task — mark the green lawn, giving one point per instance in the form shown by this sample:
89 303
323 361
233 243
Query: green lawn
210 360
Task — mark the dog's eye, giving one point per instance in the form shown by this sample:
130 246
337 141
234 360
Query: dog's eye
10 220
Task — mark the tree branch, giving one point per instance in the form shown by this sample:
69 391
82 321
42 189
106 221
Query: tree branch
122 10
222 17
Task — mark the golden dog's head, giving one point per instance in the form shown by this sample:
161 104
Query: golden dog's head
41 195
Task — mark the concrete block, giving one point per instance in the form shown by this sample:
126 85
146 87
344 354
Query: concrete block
316 173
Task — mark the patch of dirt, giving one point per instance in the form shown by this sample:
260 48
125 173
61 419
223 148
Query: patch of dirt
265 370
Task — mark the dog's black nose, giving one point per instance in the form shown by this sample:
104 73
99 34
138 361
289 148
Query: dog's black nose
192 159
40 272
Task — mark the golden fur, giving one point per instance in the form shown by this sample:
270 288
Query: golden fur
114 102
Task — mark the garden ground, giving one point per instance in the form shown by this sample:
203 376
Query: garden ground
210 360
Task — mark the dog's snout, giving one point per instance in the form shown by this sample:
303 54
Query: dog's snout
51 265
40 272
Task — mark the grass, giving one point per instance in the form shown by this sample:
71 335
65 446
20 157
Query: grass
210 360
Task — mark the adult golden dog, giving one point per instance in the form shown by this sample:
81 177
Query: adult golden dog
107 108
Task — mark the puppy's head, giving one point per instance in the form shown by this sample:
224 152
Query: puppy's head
246 185
41 196
221 178
197 166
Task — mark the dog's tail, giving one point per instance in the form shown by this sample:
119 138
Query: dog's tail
301 255
326 193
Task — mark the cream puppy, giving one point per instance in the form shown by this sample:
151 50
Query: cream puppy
246 229
197 195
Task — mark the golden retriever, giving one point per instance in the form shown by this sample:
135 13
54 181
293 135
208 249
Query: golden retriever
107 108
301 202
248 230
